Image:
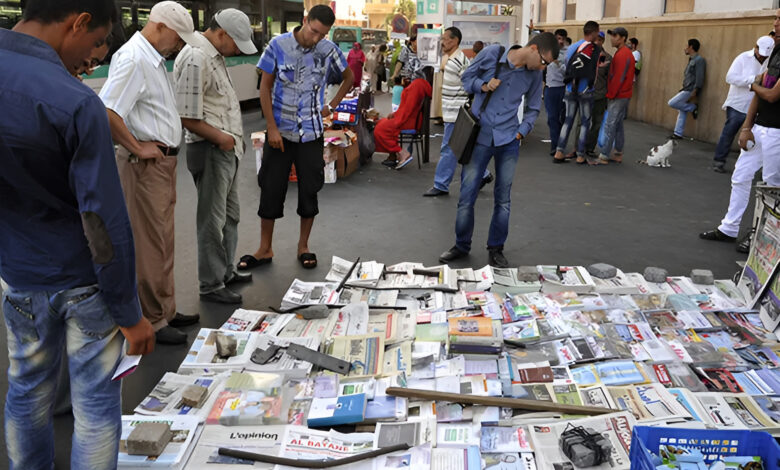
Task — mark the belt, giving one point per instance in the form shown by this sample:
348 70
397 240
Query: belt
168 151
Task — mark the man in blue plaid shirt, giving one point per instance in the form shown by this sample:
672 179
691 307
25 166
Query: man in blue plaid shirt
296 67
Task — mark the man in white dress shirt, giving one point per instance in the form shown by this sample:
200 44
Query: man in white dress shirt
741 74
146 127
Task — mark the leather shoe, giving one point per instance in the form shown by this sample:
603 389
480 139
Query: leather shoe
743 245
719 169
486 180
433 192
497 259
239 278
170 335
716 235
223 296
452 254
180 320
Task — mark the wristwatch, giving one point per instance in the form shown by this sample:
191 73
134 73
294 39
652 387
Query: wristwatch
330 110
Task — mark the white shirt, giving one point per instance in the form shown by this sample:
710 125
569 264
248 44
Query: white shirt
204 91
741 74
139 91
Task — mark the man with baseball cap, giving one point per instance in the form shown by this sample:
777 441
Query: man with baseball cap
759 139
741 74
211 116
146 127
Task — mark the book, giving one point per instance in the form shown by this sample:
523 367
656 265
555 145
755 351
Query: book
345 409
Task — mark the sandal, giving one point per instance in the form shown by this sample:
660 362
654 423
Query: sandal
617 158
250 262
308 260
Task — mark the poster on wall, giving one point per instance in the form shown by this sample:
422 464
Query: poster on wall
429 46
430 12
457 7
489 32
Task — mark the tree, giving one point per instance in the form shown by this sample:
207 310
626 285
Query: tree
408 8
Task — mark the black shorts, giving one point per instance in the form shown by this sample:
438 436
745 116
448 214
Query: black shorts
275 173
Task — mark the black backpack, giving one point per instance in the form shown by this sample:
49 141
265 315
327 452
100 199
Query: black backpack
582 65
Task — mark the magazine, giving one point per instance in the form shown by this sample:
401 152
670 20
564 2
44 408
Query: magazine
614 427
251 398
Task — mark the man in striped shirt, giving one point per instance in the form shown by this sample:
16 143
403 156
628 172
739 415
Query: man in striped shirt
453 97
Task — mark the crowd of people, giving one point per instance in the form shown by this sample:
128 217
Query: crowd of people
88 181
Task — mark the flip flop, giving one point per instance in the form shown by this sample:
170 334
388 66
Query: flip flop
308 260
251 262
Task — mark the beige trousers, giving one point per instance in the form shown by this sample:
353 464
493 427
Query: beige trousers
150 194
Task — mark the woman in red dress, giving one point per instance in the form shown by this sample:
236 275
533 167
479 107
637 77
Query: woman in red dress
355 60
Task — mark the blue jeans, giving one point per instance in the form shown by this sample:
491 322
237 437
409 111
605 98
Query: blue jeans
553 104
681 104
583 102
41 325
506 158
617 109
445 169
734 120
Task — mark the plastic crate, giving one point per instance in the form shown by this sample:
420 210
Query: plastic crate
713 444
347 106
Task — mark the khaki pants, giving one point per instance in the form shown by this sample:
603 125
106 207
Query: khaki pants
150 195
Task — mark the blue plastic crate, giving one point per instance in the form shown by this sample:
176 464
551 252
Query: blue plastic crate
347 106
713 444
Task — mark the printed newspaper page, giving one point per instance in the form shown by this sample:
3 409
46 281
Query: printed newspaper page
300 442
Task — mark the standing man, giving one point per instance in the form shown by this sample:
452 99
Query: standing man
519 75
66 247
693 81
295 67
759 139
554 90
211 115
742 73
633 46
580 76
599 98
620 86
146 127
408 64
454 96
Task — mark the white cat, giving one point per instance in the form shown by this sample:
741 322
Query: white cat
659 155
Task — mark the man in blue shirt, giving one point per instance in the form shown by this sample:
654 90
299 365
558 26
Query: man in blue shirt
295 67
693 81
519 75
66 248
580 77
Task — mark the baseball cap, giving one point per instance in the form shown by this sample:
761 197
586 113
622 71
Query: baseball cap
619 31
601 34
176 17
236 25
765 45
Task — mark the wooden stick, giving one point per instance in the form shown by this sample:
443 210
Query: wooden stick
515 403
307 463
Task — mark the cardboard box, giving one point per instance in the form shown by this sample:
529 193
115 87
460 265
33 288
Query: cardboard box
347 160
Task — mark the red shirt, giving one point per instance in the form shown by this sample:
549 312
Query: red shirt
620 82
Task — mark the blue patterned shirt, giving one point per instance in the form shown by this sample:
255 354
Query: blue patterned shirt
301 76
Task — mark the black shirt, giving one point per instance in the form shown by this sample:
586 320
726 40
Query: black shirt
769 113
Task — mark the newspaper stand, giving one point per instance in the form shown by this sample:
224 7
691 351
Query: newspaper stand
713 444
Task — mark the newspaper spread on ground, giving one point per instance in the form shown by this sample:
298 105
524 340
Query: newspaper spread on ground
365 274
203 352
265 440
165 397
300 442
283 362
310 293
566 279
615 427
364 352
175 454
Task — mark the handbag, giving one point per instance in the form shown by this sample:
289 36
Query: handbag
466 128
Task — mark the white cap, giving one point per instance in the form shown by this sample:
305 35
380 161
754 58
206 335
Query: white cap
765 45
236 25
176 17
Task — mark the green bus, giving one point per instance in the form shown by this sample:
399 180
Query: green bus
346 36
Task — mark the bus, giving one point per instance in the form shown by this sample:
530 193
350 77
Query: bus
346 36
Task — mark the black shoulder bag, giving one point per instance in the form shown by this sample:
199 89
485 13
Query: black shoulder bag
464 134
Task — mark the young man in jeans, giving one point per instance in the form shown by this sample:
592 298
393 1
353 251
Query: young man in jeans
66 247
693 81
519 75
620 85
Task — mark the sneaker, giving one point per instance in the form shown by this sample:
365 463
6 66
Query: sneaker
719 168
695 113
433 192
390 163
497 259
675 137
716 235
452 254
